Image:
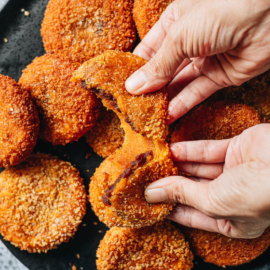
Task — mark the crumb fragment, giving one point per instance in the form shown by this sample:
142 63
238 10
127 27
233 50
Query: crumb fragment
88 155
74 267
26 13
84 225
5 40
22 10
100 231
95 223
87 170
78 256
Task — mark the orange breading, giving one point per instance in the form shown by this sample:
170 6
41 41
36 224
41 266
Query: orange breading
42 203
107 135
159 247
255 93
19 123
88 28
67 111
147 13
223 251
215 121
117 187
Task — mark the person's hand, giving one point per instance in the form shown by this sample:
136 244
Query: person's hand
231 192
227 40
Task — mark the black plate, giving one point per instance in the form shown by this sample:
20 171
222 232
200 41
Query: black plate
24 44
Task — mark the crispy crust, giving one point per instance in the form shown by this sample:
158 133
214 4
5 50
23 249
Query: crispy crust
223 251
19 123
215 121
146 13
255 93
107 135
139 115
88 28
42 203
67 111
146 248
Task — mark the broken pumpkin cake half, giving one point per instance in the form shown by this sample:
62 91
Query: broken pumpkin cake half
117 187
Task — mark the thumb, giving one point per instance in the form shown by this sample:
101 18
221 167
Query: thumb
161 68
179 189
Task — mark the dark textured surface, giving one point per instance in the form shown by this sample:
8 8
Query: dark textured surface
24 44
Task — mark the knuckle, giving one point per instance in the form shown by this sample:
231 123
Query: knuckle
205 151
210 205
195 91
157 69
195 168
185 108
184 151
175 193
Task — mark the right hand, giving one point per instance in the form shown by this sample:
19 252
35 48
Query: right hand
230 194
203 45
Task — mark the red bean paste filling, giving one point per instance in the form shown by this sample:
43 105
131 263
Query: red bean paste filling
139 161
103 94
113 102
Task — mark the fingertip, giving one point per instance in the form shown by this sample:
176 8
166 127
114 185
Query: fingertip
135 82
155 195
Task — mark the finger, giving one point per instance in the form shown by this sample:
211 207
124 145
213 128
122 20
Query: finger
183 78
177 189
209 171
191 217
209 151
151 43
193 94
161 68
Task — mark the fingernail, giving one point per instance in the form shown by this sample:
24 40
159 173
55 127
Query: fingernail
155 195
175 147
136 81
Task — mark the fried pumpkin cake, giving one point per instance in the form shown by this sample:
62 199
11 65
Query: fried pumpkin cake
117 187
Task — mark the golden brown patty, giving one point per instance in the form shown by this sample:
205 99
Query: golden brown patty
159 247
223 251
19 123
107 135
42 203
215 121
147 12
67 111
87 27
255 93
117 187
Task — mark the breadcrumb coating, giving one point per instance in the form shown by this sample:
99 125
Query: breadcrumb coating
215 121
117 187
255 93
146 13
87 28
106 75
107 135
42 203
19 123
159 247
223 251
67 111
